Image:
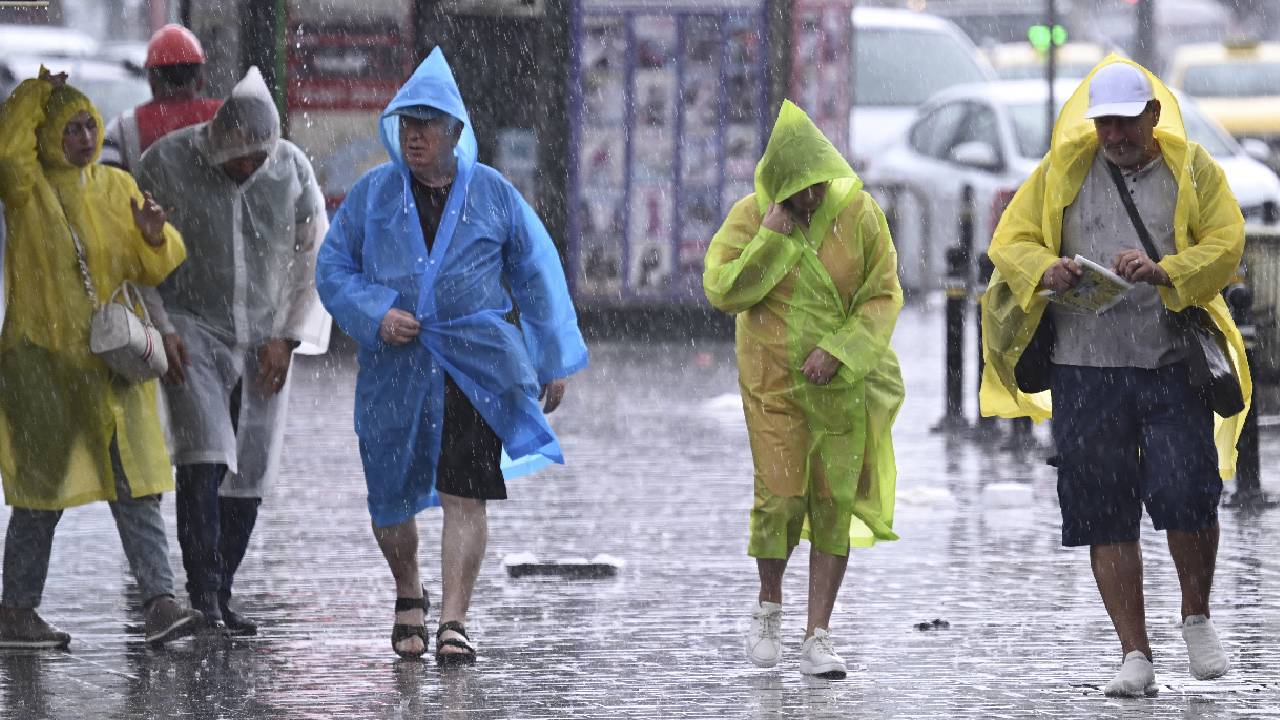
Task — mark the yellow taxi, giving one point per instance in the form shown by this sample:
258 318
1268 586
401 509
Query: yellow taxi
1237 84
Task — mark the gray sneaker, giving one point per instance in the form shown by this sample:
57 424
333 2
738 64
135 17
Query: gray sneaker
26 629
166 620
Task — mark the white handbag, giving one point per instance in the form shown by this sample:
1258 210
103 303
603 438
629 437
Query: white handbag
130 345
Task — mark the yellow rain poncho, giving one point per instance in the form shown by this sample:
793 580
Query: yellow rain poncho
833 286
1208 232
59 405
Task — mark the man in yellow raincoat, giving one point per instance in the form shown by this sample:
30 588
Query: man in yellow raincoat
1129 429
808 266
70 432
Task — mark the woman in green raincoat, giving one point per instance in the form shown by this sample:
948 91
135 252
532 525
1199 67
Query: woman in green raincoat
808 266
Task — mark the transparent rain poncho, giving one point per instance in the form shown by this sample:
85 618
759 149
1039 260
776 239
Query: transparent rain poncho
251 276
1208 232
375 258
60 406
836 287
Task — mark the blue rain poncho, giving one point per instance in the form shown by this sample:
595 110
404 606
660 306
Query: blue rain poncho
374 258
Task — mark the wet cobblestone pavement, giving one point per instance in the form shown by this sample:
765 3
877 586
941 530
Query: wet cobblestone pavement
659 476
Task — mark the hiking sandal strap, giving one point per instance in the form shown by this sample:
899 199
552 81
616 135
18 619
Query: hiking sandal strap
406 604
455 626
419 603
401 631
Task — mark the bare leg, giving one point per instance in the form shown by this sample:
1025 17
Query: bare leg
1195 555
771 572
463 539
1117 568
399 545
826 573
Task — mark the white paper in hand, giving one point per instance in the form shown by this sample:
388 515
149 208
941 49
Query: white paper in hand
1098 290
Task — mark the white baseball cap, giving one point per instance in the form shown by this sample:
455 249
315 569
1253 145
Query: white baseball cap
1118 89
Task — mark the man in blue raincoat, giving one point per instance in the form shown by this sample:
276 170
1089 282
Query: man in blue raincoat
420 267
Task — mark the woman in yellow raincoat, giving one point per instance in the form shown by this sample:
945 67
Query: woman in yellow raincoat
71 433
808 266
1129 429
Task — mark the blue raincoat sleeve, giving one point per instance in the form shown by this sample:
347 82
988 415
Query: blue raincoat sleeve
532 267
357 304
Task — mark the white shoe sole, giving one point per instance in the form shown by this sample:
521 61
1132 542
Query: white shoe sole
1149 691
760 662
1210 674
181 628
826 671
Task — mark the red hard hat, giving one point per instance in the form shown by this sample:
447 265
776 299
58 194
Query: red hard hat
174 45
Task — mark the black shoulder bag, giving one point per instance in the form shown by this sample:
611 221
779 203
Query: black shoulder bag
1208 367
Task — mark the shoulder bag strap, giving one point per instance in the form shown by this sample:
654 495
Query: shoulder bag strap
1132 209
81 261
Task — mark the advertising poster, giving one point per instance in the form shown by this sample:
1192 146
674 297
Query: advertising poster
604 57
668 127
654 98
700 217
602 157
650 235
744 85
602 225
821 57
742 150
733 192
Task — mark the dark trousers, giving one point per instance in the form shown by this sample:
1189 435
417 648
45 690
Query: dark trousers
213 531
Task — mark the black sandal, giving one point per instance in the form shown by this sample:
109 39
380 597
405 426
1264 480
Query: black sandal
402 631
468 657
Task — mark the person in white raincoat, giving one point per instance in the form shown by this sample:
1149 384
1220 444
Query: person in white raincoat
253 215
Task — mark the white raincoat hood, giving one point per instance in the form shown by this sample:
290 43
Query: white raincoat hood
246 124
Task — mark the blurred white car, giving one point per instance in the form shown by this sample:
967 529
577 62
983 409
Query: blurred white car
112 86
990 137
901 59
45 40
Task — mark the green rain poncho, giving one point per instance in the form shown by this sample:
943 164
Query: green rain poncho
832 286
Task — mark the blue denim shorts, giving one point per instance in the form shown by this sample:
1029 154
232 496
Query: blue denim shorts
1128 437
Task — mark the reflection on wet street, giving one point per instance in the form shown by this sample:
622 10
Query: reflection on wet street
658 475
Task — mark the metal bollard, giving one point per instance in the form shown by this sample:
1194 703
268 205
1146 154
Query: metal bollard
1248 494
984 428
957 291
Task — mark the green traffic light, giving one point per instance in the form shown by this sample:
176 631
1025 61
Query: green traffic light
1040 36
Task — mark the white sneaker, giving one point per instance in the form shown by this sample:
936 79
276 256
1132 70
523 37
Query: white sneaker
1137 677
818 657
1204 650
764 638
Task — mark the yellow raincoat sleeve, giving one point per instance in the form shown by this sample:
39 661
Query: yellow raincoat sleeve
1019 248
20 115
154 263
746 260
861 342
1201 270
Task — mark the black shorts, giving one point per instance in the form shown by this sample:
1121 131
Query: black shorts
1128 437
470 452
